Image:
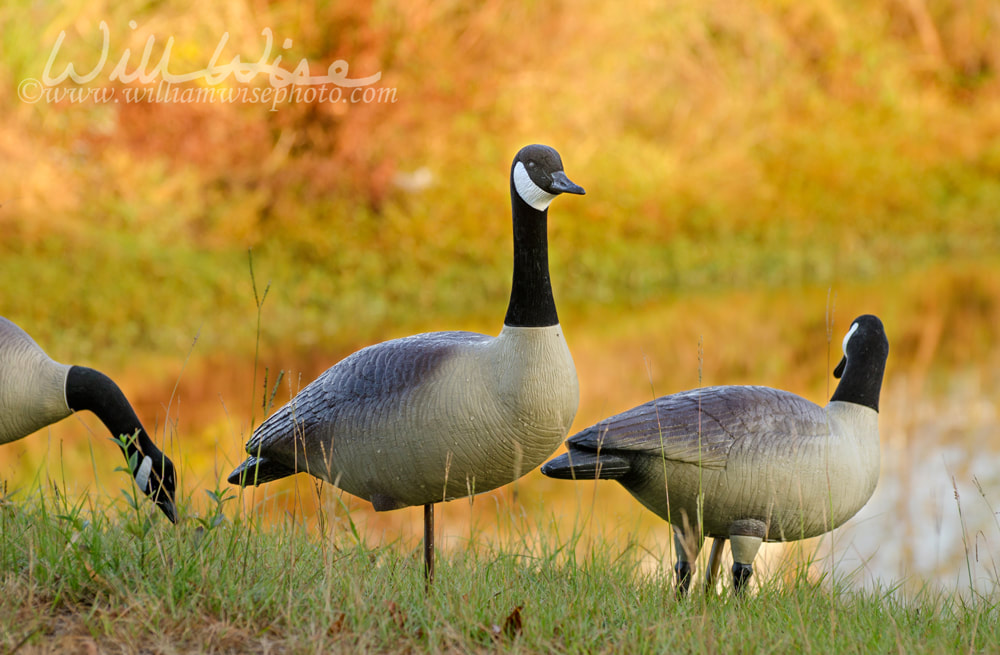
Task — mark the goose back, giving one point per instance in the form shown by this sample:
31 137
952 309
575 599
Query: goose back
430 417
32 385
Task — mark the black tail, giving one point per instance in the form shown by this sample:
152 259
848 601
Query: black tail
587 465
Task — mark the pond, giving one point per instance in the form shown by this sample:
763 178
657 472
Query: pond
935 515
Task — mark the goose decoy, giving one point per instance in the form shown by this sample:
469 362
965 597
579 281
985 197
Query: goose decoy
36 391
441 415
745 463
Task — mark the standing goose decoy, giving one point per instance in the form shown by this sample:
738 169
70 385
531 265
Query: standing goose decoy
440 415
36 391
745 463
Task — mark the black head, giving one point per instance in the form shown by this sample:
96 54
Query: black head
89 389
866 349
537 176
153 471
155 477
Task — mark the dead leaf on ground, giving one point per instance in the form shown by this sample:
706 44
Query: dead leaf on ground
337 626
513 625
396 614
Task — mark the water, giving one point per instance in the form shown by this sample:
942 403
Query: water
935 516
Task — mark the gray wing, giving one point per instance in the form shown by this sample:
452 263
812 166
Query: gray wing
700 426
358 391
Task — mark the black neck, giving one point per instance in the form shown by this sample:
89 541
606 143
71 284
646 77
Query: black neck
531 302
87 389
861 380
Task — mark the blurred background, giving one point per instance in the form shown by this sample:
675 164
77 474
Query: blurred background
757 175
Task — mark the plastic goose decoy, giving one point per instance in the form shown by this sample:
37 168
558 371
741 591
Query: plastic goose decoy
36 391
745 463
442 415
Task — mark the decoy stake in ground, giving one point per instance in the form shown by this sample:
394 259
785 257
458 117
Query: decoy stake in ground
36 391
746 463
441 415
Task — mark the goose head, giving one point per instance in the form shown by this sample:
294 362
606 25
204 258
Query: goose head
155 477
862 367
537 176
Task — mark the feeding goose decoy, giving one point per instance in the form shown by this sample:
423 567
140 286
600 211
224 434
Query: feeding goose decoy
36 391
745 463
441 415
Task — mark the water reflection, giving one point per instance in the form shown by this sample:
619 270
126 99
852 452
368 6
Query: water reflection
935 517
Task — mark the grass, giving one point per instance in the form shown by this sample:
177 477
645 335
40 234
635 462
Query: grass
119 580
739 165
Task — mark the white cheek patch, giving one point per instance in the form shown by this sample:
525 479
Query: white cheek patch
847 337
142 475
530 192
